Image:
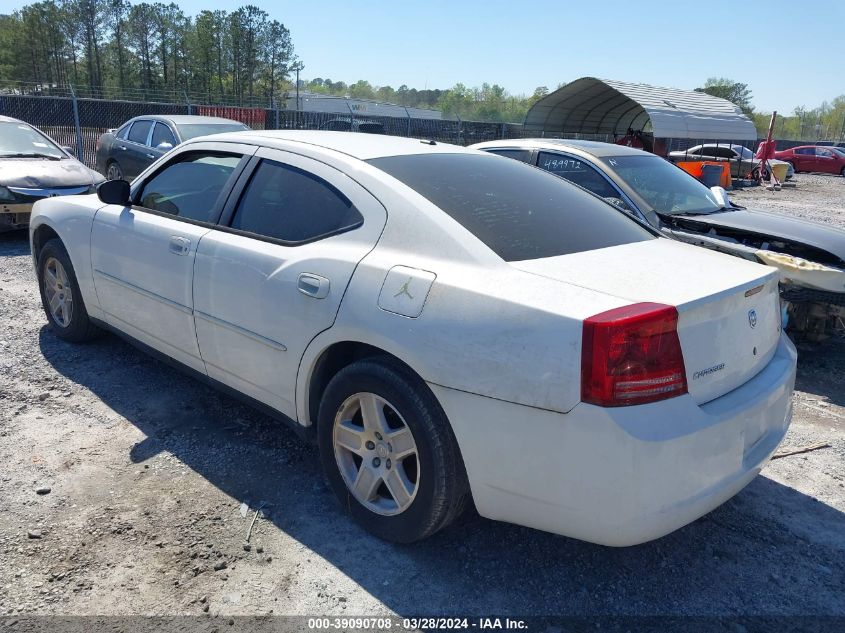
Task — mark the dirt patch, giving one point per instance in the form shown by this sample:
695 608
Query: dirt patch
154 479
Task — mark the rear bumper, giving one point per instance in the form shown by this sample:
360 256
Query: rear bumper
620 476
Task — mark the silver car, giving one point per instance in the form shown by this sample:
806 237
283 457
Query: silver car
743 161
32 167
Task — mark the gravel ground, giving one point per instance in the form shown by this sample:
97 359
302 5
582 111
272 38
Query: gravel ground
816 197
127 488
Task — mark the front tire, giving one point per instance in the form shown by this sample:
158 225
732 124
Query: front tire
388 451
61 297
114 171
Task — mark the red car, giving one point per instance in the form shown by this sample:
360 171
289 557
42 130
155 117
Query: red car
829 160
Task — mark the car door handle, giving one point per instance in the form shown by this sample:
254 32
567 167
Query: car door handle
313 285
179 245
150 155
123 147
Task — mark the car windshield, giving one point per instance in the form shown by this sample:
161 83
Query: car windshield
664 187
518 211
21 140
193 130
839 150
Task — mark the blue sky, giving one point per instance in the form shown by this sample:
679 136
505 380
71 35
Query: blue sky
524 45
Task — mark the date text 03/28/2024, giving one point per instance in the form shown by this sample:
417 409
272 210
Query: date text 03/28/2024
415 624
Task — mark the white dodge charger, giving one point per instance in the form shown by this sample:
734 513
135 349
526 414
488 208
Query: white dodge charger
449 326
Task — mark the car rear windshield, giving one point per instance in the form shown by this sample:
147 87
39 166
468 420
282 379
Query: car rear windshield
518 211
193 130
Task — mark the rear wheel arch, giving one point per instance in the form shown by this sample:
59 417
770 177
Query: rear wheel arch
334 358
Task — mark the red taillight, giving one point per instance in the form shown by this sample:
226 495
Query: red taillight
632 355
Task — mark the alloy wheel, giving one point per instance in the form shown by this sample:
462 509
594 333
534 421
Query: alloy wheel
376 454
58 292
114 172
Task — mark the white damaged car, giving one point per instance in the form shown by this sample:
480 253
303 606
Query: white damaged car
447 325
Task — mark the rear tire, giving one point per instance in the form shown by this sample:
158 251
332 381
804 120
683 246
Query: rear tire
61 297
114 171
388 451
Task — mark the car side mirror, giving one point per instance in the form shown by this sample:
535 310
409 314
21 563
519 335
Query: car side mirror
114 192
721 196
164 146
69 150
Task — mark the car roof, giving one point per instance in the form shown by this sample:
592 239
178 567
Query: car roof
8 119
180 119
354 144
596 148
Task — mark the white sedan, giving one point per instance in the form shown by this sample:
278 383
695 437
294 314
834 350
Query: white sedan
451 327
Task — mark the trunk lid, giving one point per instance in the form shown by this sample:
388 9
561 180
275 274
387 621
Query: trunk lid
728 308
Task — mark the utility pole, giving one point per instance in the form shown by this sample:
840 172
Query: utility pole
298 66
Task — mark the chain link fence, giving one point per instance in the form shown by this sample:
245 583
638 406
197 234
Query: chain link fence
77 121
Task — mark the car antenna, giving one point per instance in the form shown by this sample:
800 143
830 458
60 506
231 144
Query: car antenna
430 141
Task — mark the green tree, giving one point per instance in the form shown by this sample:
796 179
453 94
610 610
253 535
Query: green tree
733 91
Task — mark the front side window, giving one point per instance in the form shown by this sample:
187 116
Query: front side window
162 134
139 131
189 186
518 211
288 204
123 132
825 153
722 152
577 171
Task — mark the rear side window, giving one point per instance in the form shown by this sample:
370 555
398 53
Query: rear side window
190 186
518 211
162 134
523 155
577 171
139 131
285 203
338 126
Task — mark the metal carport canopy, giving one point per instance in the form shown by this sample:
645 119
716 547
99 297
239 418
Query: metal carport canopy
603 106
